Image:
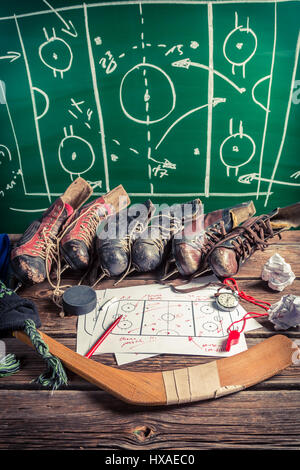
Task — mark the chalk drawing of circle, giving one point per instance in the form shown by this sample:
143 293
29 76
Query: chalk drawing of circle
124 324
206 309
75 154
4 153
128 307
167 333
162 97
56 54
168 316
240 46
210 326
237 150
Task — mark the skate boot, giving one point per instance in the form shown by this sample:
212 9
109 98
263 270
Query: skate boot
191 248
77 239
150 249
229 254
34 253
114 242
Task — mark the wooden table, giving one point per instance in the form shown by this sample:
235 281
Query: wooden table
81 416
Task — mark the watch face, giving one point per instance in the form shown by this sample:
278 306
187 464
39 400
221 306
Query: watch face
227 300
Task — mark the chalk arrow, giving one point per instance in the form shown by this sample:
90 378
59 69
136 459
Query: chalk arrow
184 63
11 55
70 30
247 179
187 63
69 27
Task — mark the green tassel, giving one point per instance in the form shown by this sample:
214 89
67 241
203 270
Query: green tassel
54 376
9 365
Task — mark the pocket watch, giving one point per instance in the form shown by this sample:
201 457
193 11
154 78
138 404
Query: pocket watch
227 300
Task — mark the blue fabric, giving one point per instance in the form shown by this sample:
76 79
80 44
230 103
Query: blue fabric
4 255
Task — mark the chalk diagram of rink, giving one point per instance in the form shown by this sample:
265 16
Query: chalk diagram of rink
168 318
211 101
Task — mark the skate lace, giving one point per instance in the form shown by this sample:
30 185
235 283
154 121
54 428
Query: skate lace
163 231
212 235
250 237
45 244
126 243
89 222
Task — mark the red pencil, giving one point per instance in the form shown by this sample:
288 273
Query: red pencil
102 338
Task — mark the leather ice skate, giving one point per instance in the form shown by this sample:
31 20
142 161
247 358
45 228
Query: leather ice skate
33 255
76 243
254 234
114 242
191 248
150 250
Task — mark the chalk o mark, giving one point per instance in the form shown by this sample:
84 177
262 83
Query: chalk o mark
238 147
56 54
236 41
230 147
75 154
144 66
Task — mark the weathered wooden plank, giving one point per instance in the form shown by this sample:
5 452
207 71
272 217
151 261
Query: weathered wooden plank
253 266
94 420
291 237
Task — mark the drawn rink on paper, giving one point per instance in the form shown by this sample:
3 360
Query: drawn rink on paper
166 318
89 143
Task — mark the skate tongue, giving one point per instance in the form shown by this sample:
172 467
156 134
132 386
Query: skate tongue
69 209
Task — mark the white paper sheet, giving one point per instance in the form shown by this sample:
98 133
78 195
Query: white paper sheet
86 324
157 320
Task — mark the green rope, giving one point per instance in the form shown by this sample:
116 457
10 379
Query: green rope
9 365
55 375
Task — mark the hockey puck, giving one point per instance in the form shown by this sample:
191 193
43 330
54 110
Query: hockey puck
79 300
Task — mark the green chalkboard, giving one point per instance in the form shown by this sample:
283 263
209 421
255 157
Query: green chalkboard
174 100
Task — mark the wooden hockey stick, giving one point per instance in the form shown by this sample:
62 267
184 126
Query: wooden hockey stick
210 380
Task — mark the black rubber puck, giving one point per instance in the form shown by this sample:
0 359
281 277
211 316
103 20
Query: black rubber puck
79 300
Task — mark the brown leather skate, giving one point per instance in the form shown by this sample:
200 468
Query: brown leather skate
76 243
229 254
33 255
191 247
152 247
114 252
